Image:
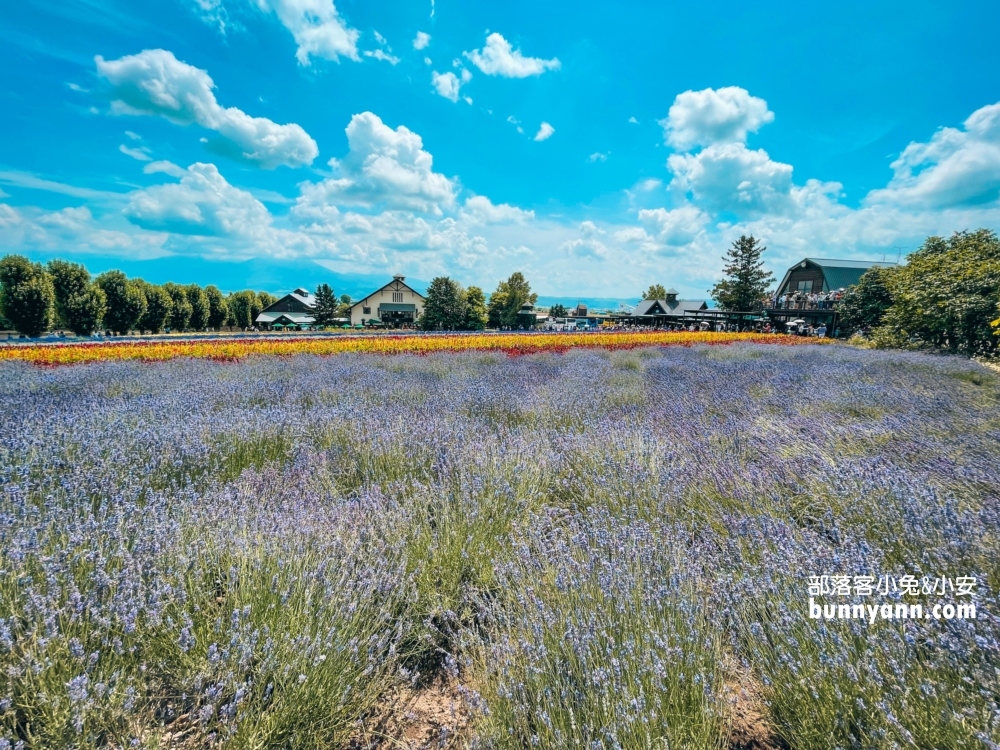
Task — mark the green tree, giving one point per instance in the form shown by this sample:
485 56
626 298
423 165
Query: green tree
445 306
240 308
125 299
200 308
946 295
326 305
655 291
158 307
218 311
180 307
27 297
865 304
505 303
557 311
475 309
258 301
344 310
746 282
79 304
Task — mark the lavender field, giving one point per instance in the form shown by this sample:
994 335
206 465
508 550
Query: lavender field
592 550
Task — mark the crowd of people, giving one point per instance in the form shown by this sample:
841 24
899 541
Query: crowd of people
807 300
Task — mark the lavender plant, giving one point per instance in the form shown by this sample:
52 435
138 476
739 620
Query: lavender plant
253 555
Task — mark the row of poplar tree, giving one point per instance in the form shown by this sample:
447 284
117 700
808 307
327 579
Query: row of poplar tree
36 298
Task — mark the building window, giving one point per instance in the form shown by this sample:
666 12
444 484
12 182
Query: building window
806 286
397 296
366 311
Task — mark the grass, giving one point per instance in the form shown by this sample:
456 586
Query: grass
256 554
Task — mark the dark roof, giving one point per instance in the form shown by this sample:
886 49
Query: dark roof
294 302
397 307
837 274
662 307
672 291
395 280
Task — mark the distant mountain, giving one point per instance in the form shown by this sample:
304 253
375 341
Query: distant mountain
260 274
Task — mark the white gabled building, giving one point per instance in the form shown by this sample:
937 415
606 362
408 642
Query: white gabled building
393 305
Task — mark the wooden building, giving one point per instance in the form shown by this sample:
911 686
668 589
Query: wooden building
817 275
395 305
293 310
656 312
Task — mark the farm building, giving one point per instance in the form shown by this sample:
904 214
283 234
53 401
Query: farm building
295 309
395 305
815 275
669 310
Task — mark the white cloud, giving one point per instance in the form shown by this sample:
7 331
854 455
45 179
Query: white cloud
480 210
154 82
141 154
544 132
133 136
585 247
446 84
428 61
212 12
378 54
9 216
955 168
4 193
317 28
202 203
597 156
497 58
649 184
677 227
731 177
383 167
421 40
165 167
633 121
711 116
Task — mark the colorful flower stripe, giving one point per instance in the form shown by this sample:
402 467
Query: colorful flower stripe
236 349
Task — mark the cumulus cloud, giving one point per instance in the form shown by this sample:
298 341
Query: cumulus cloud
202 203
154 82
421 40
731 177
955 168
480 210
497 58
585 247
316 27
544 132
711 116
597 156
446 84
677 227
383 167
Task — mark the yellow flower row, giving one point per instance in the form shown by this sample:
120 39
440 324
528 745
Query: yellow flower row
231 349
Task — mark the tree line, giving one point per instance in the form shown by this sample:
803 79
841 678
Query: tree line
449 306
947 297
35 298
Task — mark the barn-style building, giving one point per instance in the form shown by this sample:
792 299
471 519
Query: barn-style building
297 309
818 275
395 305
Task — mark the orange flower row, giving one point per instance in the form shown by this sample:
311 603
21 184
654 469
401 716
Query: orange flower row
232 349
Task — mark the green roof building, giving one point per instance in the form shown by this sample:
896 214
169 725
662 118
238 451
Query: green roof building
816 275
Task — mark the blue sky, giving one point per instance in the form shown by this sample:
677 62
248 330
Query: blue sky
598 147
